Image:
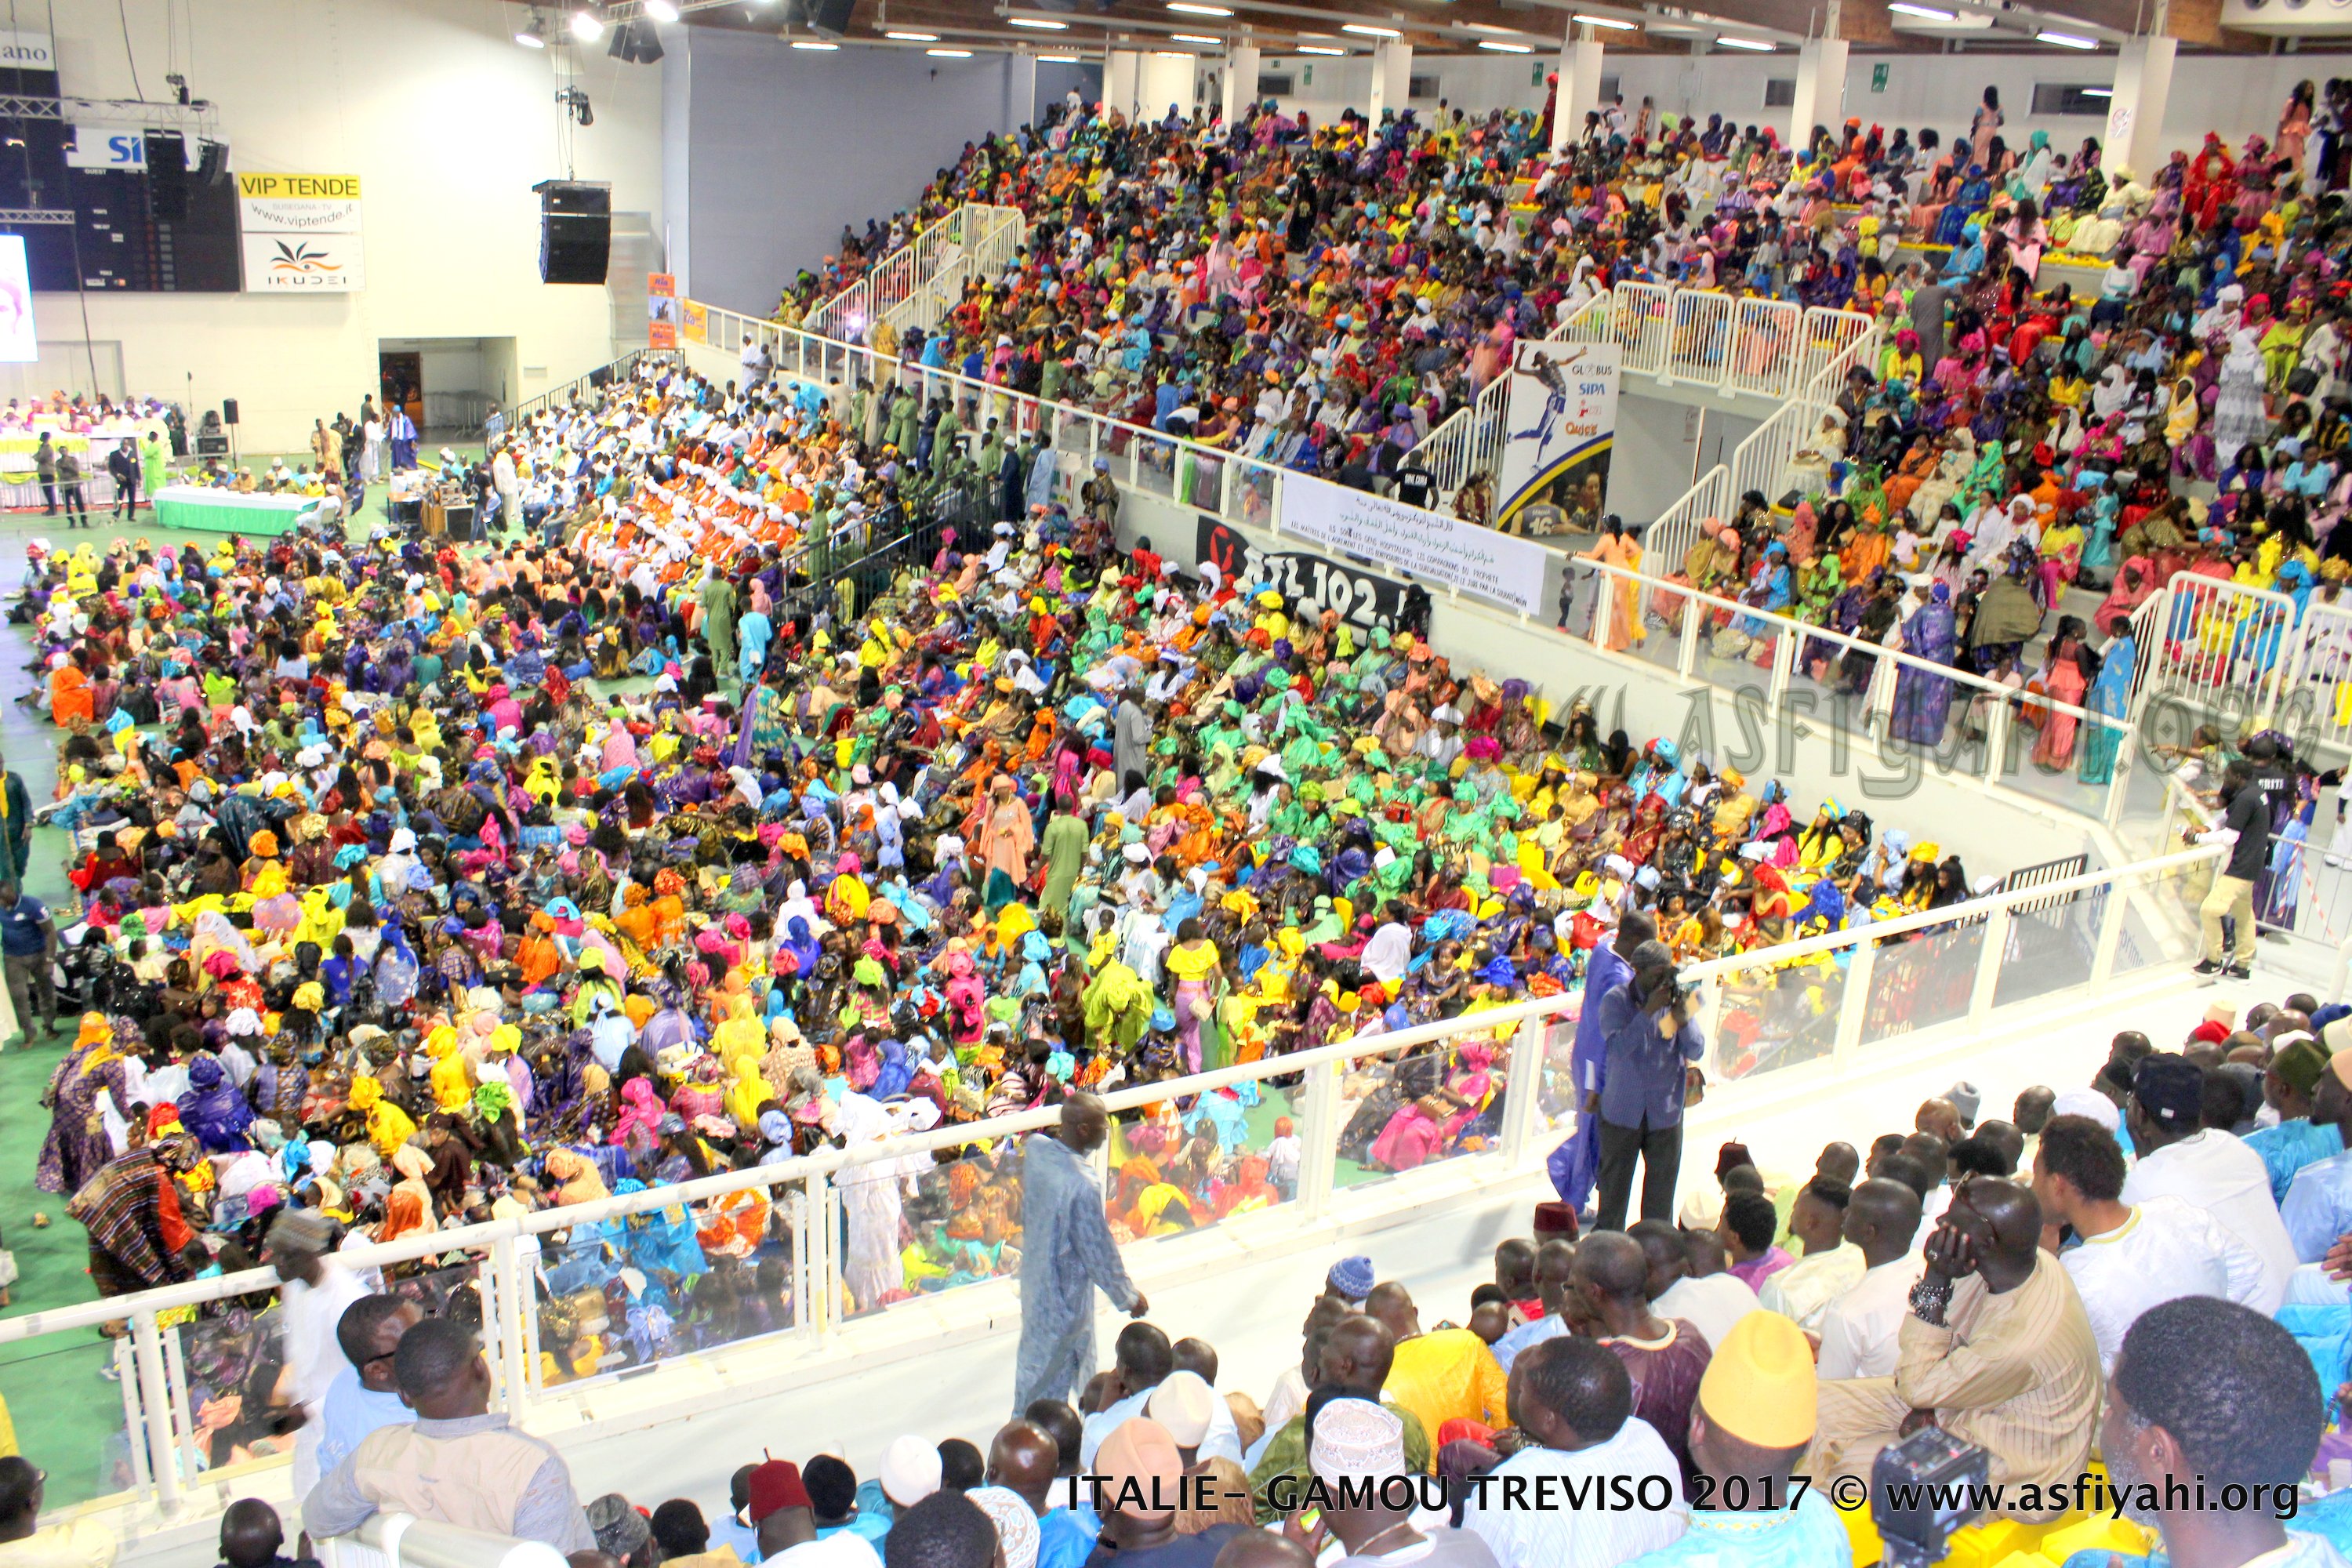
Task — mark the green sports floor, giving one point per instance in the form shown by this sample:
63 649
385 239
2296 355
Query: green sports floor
68 1416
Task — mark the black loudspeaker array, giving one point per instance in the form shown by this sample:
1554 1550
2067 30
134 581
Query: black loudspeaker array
575 230
167 176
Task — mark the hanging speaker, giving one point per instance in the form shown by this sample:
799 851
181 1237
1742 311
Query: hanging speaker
575 230
167 176
212 164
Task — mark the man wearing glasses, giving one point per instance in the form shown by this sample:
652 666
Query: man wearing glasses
364 1395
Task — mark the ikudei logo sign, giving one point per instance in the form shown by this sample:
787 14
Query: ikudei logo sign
302 264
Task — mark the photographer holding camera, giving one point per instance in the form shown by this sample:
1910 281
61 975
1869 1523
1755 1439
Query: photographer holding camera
1650 1075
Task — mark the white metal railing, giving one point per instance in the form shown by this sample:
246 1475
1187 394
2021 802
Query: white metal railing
1811 1008
1644 325
988 239
1699 346
2216 645
902 275
1668 541
404 1540
1979 733
1763 345
1763 358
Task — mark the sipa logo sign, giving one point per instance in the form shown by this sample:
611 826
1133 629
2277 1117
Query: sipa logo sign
26 52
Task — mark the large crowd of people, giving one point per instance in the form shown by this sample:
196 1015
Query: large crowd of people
1321 297
420 884
416 884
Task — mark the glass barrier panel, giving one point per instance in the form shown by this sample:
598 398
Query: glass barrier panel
1184 1164
1655 616
921 1223
1777 1014
1555 1095
1735 653
2051 945
1430 1105
2307 891
1199 479
1921 980
2160 929
621 1293
1155 469
239 1388
63 1392
2059 758
1253 494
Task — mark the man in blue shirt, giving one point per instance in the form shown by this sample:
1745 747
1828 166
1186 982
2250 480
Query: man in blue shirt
2318 1205
28 950
1577 1161
1650 1042
1555 1260
364 1395
1025 1459
834 1498
2301 1138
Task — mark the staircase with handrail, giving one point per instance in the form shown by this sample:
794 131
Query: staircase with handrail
916 284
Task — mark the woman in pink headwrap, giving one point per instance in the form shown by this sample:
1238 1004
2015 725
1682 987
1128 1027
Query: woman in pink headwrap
637 1125
967 1020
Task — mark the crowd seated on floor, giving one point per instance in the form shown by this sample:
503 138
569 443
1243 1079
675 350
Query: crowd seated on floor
414 884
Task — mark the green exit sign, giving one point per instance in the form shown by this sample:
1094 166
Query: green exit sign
1878 78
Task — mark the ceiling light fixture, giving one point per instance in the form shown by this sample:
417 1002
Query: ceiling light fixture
660 11
587 26
814 46
2098 92
1039 23
949 54
1189 9
1590 20
1317 50
913 37
1761 46
532 34
1057 59
1366 30
2067 40
1173 54
1195 39
1502 49
1925 12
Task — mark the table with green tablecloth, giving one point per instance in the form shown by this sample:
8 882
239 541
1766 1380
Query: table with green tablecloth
208 510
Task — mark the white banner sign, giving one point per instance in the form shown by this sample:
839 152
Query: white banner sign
1435 550
275 214
26 52
301 233
303 264
1562 417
